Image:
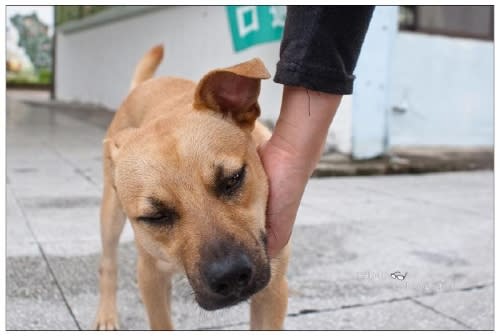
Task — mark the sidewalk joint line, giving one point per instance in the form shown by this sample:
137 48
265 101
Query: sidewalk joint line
44 257
373 303
58 285
72 165
440 313
396 299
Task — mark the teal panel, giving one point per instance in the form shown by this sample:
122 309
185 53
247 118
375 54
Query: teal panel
252 25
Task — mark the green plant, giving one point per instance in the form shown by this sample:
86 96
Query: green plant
44 76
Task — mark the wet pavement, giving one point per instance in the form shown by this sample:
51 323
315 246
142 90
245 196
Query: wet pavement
351 234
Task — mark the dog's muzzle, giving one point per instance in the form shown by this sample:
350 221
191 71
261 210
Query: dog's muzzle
229 279
228 276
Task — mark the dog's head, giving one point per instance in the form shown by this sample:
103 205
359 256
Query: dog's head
194 188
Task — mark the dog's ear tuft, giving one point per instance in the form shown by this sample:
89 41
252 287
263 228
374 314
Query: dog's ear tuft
233 91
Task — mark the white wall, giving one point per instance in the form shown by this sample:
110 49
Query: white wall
370 94
443 90
443 85
95 64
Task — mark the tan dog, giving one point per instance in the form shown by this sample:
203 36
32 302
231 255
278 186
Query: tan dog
181 162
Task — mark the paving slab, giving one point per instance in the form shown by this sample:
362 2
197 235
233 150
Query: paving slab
474 306
19 239
30 314
339 195
310 214
352 266
34 301
51 225
475 194
77 276
329 275
400 315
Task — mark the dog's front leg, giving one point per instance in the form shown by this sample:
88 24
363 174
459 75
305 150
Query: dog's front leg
112 222
269 306
155 286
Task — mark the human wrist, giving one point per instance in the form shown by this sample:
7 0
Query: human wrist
303 124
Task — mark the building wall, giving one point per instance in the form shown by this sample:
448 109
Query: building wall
440 88
441 91
95 64
370 94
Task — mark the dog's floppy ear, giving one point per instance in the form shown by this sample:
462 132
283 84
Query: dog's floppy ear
233 91
113 144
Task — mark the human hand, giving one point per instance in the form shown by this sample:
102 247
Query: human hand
287 179
290 155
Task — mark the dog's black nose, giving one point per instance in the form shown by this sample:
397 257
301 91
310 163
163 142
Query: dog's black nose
229 275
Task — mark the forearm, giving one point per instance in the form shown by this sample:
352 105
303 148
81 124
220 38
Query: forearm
302 126
318 54
291 154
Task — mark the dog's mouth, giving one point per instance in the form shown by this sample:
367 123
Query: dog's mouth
214 302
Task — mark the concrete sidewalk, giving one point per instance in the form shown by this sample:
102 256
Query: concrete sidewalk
351 234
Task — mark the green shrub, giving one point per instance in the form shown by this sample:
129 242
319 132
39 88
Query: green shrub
44 76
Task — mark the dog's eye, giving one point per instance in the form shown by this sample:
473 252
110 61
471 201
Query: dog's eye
231 184
160 218
233 181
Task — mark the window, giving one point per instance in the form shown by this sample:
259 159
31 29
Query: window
460 21
71 13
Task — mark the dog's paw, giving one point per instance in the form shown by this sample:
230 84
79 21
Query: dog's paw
106 321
